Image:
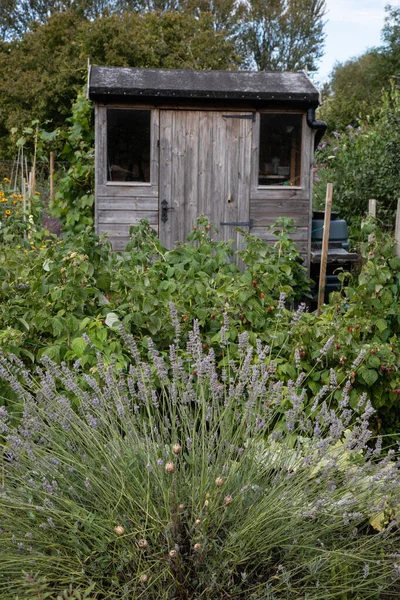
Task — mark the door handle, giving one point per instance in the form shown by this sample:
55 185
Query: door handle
164 211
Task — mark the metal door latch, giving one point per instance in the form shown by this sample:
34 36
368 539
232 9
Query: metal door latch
164 211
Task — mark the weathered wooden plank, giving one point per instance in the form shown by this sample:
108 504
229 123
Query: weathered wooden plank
266 220
244 172
255 145
177 226
278 208
284 192
299 234
119 244
301 245
100 153
165 192
118 230
223 202
154 141
206 160
192 139
128 190
120 217
126 204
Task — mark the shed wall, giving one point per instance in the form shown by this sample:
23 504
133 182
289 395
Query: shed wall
120 205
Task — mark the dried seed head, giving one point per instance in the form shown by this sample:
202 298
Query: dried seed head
176 448
227 500
143 544
197 522
197 547
119 530
173 553
169 467
144 578
219 481
206 503
181 507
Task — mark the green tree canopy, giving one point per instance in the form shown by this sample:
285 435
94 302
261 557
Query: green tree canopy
284 34
355 86
43 72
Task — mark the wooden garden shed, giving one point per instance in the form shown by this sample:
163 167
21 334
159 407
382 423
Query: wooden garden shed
174 144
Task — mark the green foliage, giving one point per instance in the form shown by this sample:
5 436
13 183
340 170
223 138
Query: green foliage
53 291
284 35
73 203
172 481
355 87
35 87
353 92
363 162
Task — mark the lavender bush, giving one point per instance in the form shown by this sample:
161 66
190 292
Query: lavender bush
173 481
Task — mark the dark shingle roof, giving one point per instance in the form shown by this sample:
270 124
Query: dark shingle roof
118 82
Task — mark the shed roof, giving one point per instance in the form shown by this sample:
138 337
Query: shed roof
107 83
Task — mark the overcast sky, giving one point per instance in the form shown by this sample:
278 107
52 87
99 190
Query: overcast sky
352 26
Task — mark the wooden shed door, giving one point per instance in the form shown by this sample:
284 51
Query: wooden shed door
204 169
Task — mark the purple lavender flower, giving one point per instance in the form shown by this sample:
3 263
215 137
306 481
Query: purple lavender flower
327 346
281 301
224 330
357 361
175 321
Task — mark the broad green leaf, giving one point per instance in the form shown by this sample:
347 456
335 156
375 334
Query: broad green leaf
78 346
112 319
369 376
381 324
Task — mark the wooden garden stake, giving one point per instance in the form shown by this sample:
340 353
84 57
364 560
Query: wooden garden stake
372 208
372 213
51 175
24 202
397 229
325 242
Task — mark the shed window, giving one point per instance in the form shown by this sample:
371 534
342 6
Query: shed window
280 146
128 145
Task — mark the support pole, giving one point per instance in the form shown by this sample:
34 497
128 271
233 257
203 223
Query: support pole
397 229
51 175
372 208
325 242
23 189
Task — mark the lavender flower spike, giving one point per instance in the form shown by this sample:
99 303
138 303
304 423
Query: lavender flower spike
328 345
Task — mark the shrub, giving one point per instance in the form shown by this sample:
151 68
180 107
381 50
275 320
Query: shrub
172 481
363 163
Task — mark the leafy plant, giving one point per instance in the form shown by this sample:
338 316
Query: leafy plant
363 163
172 481
73 203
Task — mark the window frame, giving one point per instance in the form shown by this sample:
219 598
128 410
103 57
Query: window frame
135 184
265 188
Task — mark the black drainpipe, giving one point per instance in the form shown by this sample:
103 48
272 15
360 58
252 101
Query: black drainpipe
319 126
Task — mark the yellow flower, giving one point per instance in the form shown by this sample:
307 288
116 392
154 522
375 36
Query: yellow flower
17 212
18 246
8 212
25 251
37 193
7 180
42 247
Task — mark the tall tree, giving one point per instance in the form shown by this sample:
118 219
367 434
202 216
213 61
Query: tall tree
42 73
284 34
354 90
